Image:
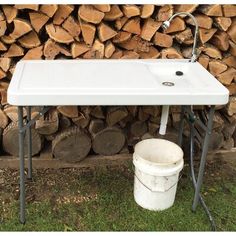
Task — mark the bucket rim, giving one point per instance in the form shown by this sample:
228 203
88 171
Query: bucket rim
159 163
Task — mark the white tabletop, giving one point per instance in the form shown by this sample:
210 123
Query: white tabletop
113 82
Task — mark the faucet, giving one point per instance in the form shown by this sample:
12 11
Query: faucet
166 24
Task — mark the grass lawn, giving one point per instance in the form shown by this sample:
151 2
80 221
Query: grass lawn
102 200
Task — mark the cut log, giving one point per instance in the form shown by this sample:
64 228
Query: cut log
34 7
97 112
204 60
95 126
165 12
223 23
149 28
30 40
82 120
7 39
109 49
103 7
58 34
38 20
147 10
50 50
130 55
3 96
217 67
185 8
163 40
3 119
221 40
212 51
232 89
21 27
109 141
3 27
14 51
71 145
130 10
232 32
117 54
64 122
113 14
133 26
185 37
206 34
2 46
232 48
203 21
72 26
230 61
231 106
170 53
49 9
2 74
115 114
88 32
143 116
12 113
34 54
119 23
121 37
211 10
99 49
68 111
48 124
136 44
153 53
138 128
105 32
152 110
229 10
5 64
227 77
187 51
90 14
11 136
10 13
78 49
63 11
176 25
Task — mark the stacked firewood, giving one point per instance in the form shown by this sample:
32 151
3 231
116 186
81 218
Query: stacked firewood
115 32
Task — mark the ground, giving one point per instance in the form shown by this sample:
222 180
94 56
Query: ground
102 200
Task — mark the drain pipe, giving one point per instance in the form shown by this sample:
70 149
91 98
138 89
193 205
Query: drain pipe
164 119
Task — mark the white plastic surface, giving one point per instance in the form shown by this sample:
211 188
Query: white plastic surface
157 165
113 82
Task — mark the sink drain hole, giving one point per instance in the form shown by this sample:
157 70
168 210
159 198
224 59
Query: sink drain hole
168 83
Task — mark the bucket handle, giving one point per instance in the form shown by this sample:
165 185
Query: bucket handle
158 191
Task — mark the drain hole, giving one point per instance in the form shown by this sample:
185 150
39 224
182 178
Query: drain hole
168 83
179 73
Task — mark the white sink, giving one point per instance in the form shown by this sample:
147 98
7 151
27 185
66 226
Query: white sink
114 82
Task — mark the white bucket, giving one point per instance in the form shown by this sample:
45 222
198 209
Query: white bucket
157 165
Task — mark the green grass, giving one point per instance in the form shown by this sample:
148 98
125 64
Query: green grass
102 200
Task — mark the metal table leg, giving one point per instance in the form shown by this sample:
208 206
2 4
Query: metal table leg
29 140
22 164
203 158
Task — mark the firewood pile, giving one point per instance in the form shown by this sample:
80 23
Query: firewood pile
112 32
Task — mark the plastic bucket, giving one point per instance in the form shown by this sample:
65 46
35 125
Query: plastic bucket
158 163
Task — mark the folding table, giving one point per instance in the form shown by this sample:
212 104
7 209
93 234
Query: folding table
113 82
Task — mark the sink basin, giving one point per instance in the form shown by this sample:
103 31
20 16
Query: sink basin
114 82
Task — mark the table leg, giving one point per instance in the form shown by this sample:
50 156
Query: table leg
29 140
203 158
22 164
181 127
